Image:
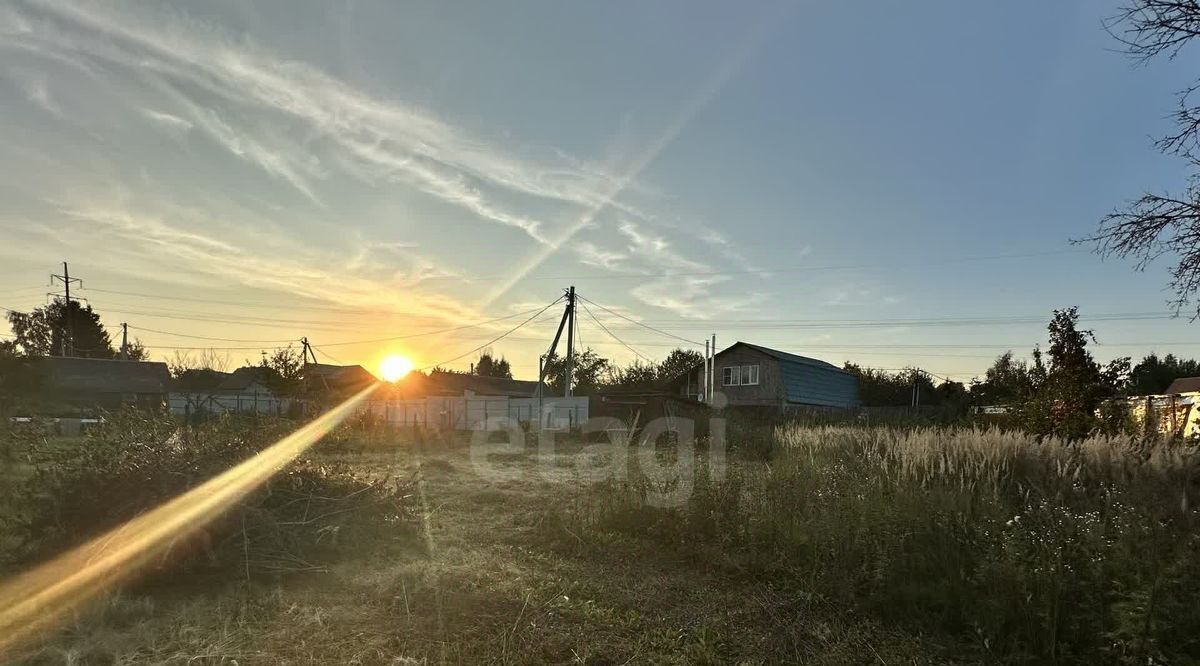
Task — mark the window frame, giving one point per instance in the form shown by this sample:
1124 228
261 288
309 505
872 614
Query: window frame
740 375
750 375
730 375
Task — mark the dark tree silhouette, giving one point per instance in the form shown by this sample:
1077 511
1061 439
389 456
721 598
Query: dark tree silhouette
678 362
1161 224
490 366
42 331
589 372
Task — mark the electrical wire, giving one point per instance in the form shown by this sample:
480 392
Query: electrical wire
645 326
327 355
496 339
449 330
201 337
275 305
612 335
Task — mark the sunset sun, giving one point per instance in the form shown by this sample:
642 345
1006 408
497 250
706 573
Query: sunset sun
393 368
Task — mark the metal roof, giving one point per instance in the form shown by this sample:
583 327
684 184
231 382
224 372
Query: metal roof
1184 385
810 381
786 356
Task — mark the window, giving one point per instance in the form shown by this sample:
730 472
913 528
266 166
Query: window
749 374
730 376
739 375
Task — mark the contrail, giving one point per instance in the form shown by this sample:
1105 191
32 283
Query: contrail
693 106
38 599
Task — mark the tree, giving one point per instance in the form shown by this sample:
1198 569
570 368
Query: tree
20 381
679 362
1070 388
589 372
1152 375
136 351
489 366
1008 380
285 370
1159 224
43 331
636 375
881 388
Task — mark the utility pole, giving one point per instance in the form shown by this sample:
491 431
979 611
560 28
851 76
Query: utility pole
69 332
570 375
124 341
307 351
712 382
704 377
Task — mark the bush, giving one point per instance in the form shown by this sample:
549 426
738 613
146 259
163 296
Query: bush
135 461
1028 551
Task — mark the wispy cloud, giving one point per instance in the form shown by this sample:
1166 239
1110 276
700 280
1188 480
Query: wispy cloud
171 123
386 140
301 127
283 267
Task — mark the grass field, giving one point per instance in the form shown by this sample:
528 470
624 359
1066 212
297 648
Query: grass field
847 546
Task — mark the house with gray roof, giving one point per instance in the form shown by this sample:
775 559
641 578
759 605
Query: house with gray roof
751 375
105 383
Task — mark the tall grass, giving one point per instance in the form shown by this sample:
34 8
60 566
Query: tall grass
1014 550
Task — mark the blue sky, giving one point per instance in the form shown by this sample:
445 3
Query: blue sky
359 170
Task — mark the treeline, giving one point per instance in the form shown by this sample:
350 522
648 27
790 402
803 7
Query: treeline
593 372
1062 390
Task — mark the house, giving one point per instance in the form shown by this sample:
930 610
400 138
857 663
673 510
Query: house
106 384
250 381
754 376
322 378
1184 385
453 383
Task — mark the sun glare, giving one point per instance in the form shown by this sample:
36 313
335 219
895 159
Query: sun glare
393 368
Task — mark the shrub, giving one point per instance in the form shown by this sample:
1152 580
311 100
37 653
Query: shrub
135 461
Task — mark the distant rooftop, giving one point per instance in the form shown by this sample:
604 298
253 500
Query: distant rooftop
94 375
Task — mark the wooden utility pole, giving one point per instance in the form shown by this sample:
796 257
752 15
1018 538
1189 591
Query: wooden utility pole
307 352
568 381
68 329
124 341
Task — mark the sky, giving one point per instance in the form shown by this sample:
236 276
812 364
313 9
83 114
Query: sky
892 184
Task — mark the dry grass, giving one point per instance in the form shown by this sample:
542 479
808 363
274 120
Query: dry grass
490 582
999 547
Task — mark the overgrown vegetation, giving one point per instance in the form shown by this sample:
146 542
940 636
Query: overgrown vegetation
1013 549
76 489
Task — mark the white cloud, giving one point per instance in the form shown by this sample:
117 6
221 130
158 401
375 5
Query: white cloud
302 127
171 123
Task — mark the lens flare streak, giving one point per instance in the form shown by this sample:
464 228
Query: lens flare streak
37 599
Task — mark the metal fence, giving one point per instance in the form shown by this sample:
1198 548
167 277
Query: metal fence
189 404
473 413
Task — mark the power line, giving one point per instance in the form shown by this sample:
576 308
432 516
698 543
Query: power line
612 335
201 337
646 326
496 339
448 330
327 355
255 304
